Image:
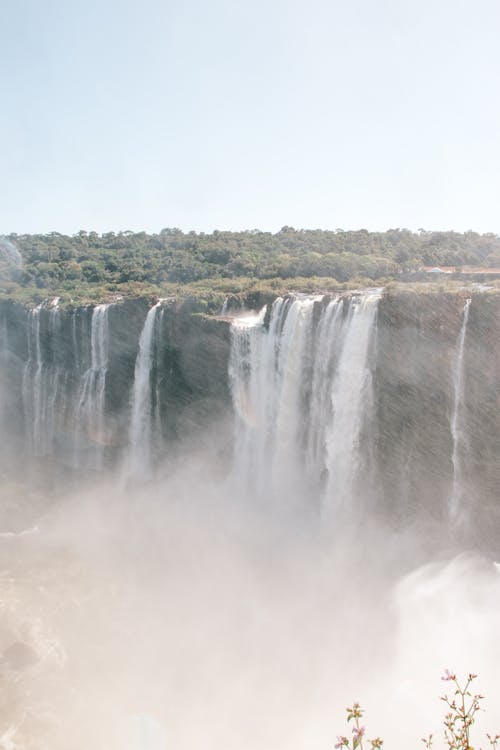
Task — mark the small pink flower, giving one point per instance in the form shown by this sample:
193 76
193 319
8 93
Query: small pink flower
358 732
448 675
341 741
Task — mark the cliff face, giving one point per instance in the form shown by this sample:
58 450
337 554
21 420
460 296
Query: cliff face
52 362
49 364
13 354
418 337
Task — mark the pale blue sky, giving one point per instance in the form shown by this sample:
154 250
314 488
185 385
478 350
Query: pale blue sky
240 115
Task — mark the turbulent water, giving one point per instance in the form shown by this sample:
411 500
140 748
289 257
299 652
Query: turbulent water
251 603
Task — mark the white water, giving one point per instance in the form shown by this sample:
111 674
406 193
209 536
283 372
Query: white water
75 340
247 340
31 381
90 424
457 421
327 347
301 392
351 403
43 382
266 375
140 454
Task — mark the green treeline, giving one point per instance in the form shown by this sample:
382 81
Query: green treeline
55 262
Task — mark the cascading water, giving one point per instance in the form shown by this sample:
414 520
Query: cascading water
139 463
457 420
294 328
326 350
301 392
157 431
265 373
32 379
42 380
90 437
64 388
300 374
225 307
351 399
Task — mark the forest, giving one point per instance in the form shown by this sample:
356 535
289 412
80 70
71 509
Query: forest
90 265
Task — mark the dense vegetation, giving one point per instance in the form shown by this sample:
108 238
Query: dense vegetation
90 264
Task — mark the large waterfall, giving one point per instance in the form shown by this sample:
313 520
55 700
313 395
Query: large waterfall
301 385
340 400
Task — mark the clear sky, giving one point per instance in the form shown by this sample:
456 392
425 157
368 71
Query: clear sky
205 114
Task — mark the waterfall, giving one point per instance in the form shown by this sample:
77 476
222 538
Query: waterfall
265 372
457 420
42 380
301 391
326 350
157 427
351 399
90 426
246 370
32 380
140 463
75 340
53 393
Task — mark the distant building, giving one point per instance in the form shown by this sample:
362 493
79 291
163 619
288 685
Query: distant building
436 269
476 272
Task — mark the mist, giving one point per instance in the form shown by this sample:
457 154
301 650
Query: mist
10 257
183 609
